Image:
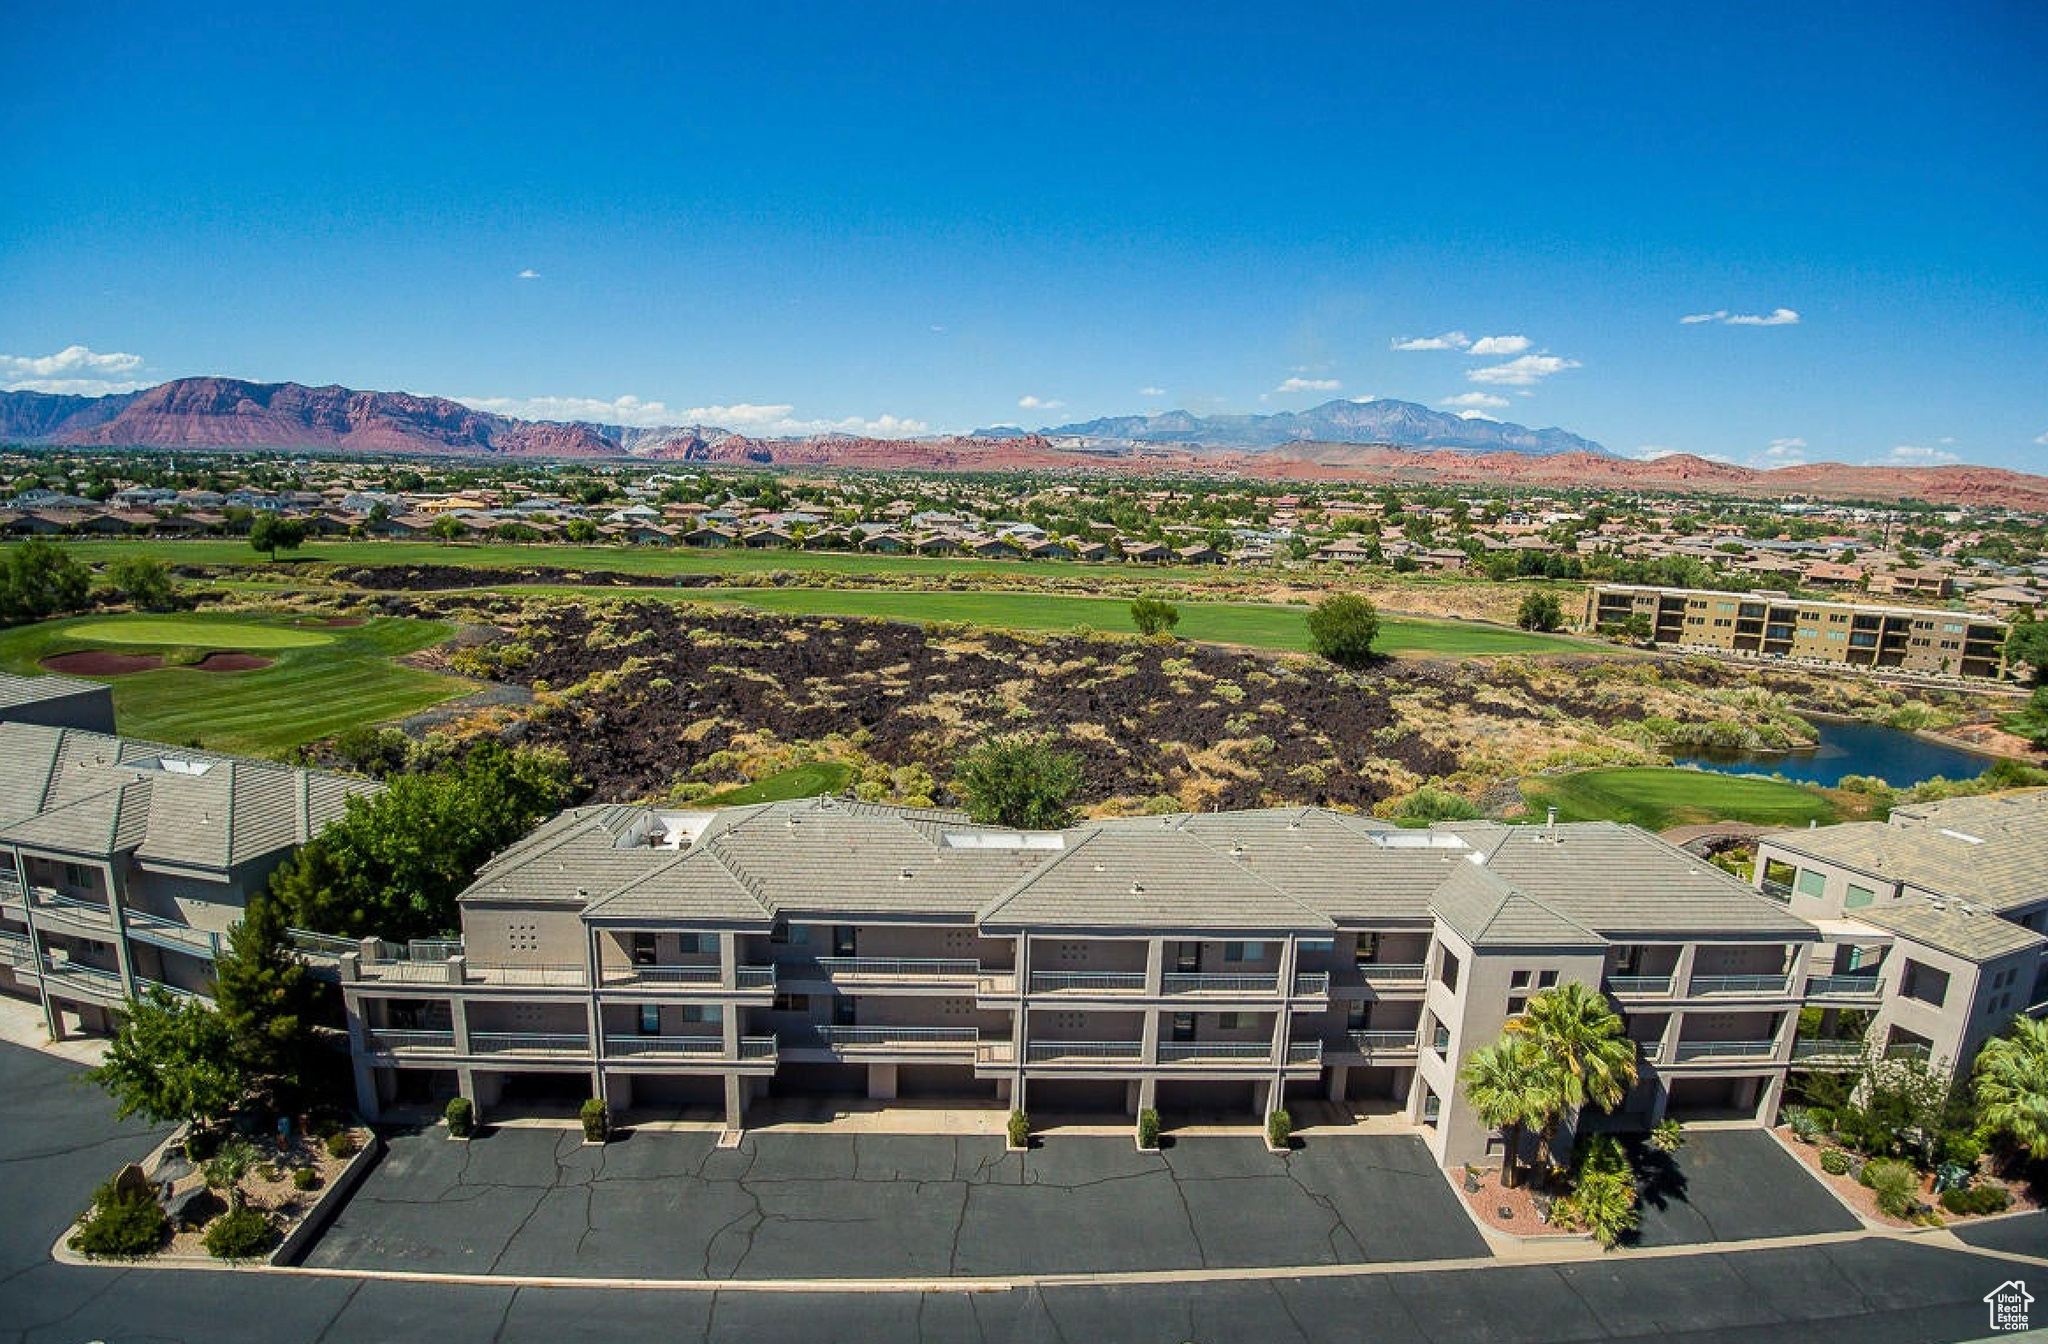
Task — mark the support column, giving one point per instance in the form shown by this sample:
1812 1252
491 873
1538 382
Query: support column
122 957
1155 967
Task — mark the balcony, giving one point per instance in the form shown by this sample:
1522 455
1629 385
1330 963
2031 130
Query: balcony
1697 1052
544 977
1400 974
167 933
1649 1052
404 1041
1312 985
1382 1043
1909 1050
17 952
1083 1052
52 905
664 1047
68 977
529 1043
1183 982
1844 987
1085 983
1638 986
663 977
145 986
321 947
925 1042
1826 1053
1754 986
913 972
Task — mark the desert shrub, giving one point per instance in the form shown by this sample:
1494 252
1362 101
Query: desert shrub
1962 1148
342 1145
1834 1162
1428 804
305 1178
124 1222
597 1121
1279 1129
461 1117
1020 1130
1978 1199
239 1234
1895 1184
235 1160
1148 1128
1801 1122
1667 1136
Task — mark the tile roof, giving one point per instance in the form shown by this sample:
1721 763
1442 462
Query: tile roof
1969 932
1985 850
1120 876
17 690
1487 911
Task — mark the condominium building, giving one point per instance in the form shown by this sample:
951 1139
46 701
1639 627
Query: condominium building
1928 641
123 864
1953 896
57 702
723 959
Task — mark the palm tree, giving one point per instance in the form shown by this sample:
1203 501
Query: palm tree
1578 1030
1512 1088
2012 1085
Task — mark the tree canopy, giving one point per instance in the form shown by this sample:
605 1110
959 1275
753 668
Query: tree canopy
1513 1087
1539 611
1154 616
393 865
1020 781
144 581
2011 1082
271 534
172 1060
1343 627
268 1001
2027 642
38 579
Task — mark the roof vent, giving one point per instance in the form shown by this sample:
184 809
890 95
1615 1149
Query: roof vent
906 874
1137 888
1236 851
1963 836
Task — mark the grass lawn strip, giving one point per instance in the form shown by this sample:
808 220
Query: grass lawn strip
321 682
803 781
1659 798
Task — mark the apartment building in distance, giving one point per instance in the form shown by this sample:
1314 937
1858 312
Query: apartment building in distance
1766 625
123 864
723 960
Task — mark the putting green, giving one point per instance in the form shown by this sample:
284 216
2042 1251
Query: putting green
171 631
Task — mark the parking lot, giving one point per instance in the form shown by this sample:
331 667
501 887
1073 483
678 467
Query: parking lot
830 1205
1732 1185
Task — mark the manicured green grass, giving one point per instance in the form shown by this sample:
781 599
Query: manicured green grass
1658 799
803 781
194 632
341 678
1257 625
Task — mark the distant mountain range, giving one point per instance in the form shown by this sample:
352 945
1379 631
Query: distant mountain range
1397 424
1341 440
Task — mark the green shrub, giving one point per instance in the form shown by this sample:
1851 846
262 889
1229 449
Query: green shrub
1667 1136
1279 1129
326 1127
461 1117
1020 1130
122 1224
1963 1149
235 1160
1805 1125
1834 1162
342 1145
1604 1203
1978 1199
239 1234
597 1121
305 1178
1148 1128
1895 1183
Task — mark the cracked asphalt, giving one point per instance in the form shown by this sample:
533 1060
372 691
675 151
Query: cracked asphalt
57 1141
674 1206
1735 1185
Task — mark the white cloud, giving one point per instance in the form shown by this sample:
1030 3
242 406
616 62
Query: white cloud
1500 345
1782 453
2042 440
1151 391
1450 340
1477 415
1485 400
1524 372
1777 317
1300 384
740 417
72 371
1911 455
1651 452
529 274
1031 403
1366 400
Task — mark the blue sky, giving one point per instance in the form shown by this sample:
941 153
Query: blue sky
915 218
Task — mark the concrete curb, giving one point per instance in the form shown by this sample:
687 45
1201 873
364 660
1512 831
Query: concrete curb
301 1238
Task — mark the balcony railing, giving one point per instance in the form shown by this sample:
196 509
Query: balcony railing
890 1038
528 1043
1069 1052
1844 986
1692 1051
1185 1052
1311 984
169 933
16 950
1393 971
1777 891
758 1047
1761 985
404 1039
1832 1051
1382 1042
1183 982
705 974
1304 1052
544 976
1088 982
1624 986
96 913
85 979
1909 1050
899 968
323 945
622 1047
1649 1052
144 986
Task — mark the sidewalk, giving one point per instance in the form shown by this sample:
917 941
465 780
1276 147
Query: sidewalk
21 1023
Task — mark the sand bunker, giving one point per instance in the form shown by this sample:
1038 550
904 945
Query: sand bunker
101 663
231 662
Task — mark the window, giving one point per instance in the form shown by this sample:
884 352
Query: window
1810 883
1317 945
643 949
650 1019
1924 983
842 940
1858 897
1232 1021
791 1003
1517 1004
1518 980
701 1012
1244 952
689 944
1627 957
1545 979
1183 1026
843 1011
